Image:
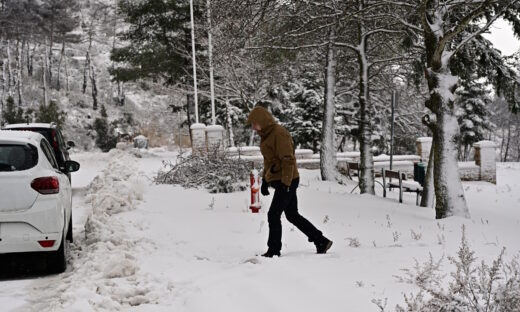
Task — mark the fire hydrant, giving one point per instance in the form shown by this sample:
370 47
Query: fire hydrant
255 192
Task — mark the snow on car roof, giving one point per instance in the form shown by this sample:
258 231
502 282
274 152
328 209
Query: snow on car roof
30 125
20 136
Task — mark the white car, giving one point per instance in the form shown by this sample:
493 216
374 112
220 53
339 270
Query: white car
35 198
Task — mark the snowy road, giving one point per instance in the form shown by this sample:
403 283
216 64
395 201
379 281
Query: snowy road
143 247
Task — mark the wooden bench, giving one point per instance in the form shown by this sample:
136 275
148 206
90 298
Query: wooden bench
402 184
354 166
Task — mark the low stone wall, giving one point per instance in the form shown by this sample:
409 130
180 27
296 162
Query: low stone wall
483 169
469 171
314 163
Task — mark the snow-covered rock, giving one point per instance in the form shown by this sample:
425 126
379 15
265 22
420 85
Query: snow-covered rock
140 142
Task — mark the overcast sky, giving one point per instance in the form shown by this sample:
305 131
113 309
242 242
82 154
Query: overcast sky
502 37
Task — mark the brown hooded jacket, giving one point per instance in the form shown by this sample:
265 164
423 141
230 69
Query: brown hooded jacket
277 148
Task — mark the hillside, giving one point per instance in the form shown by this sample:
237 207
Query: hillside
146 109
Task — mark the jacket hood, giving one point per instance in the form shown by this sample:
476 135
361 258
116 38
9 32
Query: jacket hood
261 116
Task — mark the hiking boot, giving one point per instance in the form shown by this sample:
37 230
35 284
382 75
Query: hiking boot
322 245
270 254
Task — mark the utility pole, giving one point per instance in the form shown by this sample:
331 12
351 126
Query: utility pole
195 98
394 105
210 55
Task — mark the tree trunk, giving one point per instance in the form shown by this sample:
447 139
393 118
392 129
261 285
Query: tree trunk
4 79
366 165
508 138
4 88
428 190
19 69
252 138
517 128
93 86
86 72
502 143
341 147
58 86
230 125
67 88
327 150
114 40
449 194
10 76
30 59
51 43
120 93
188 115
44 78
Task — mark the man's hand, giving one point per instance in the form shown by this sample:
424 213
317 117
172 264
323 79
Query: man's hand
264 189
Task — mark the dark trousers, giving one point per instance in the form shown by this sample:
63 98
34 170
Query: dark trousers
287 202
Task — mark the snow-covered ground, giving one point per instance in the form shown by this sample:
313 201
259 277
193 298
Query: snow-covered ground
146 247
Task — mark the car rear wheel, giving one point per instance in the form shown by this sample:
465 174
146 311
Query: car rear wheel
57 260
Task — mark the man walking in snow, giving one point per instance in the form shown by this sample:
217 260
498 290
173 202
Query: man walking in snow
281 173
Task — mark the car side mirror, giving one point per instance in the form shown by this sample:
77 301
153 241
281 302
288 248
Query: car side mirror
70 145
71 166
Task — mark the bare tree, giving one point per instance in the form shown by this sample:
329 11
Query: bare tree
19 70
44 78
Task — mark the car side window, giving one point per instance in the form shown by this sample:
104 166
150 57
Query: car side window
61 141
47 150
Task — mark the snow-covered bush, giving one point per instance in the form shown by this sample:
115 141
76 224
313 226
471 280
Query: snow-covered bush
215 172
11 114
105 138
51 113
473 287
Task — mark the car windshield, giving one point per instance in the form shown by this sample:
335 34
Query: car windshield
17 157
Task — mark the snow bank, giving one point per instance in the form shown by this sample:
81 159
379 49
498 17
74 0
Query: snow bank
105 275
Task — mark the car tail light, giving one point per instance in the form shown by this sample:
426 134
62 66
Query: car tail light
46 185
46 243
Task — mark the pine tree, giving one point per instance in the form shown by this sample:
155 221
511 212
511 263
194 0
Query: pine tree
300 110
11 114
158 35
105 138
51 113
472 114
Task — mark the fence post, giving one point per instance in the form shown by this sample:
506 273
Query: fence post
424 145
198 139
485 159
